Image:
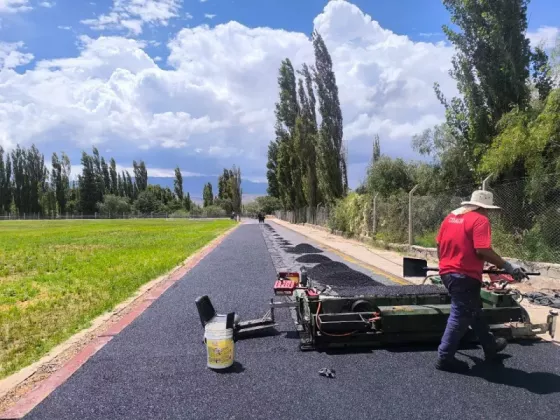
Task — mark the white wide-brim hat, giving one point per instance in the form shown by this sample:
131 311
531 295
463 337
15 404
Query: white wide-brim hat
484 199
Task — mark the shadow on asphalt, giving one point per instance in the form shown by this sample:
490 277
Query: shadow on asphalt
235 368
542 383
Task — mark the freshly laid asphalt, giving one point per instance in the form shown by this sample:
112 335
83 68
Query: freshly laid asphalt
156 367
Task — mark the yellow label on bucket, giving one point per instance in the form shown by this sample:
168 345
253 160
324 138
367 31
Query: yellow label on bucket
220 353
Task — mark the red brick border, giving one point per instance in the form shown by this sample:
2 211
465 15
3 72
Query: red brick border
34 397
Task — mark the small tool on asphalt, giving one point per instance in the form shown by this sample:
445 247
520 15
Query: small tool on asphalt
328 373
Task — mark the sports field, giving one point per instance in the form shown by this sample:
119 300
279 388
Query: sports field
57 276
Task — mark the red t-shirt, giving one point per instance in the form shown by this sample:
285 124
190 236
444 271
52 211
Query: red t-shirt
458 238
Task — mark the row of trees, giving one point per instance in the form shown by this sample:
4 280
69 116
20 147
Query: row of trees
28 187
307 162
230 194
505 122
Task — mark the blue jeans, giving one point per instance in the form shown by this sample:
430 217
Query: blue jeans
466 310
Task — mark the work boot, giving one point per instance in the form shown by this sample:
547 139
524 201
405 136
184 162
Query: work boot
452 365
499 345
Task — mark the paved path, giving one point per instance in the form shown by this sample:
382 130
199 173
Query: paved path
155 369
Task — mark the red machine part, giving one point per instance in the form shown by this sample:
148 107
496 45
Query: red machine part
498 281
284 287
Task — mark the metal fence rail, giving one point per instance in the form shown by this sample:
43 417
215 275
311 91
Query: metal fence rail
98 216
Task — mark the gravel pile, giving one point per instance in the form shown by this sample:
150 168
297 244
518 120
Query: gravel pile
347 279
304 249
326 268
313 258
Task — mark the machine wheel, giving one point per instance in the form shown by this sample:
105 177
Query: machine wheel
525 315
363 306
516 295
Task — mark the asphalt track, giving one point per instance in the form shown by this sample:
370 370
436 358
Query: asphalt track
156 368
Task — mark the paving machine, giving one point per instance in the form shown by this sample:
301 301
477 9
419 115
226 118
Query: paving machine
382 315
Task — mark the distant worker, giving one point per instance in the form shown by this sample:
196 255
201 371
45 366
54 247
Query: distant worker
464 243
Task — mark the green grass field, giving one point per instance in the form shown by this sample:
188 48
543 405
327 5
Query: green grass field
57 276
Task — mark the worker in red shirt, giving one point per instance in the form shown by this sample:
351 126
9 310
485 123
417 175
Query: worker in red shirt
464 243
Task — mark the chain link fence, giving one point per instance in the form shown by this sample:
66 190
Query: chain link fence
527 227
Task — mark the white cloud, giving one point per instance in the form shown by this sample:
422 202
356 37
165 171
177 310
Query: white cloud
209 16
11 57
133 14
47 4
188 16
14 6
203 1
64 28
545 35
213 103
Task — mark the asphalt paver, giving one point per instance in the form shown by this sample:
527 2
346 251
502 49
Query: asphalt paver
156 367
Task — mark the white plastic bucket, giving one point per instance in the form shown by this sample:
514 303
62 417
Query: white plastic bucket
220 347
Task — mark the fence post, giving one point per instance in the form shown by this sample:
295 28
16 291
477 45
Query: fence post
374 221
485 182
410 232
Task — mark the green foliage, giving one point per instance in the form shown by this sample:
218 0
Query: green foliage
352 215
148 202
235 189
114 206
527 138
307 164
187 203
388 176
491 67
178 184
542 79
273 188
5 182
208 195
213 211
140 176
331 163
267 204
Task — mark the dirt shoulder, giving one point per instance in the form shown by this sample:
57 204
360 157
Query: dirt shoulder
391 262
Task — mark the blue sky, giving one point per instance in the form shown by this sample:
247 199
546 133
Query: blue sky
145 79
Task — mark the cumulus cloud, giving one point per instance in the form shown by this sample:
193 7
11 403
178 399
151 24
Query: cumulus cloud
14 6
11 57
209 16
47 4
131 15
545 36
213 103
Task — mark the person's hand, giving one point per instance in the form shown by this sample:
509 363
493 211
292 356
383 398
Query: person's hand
516 271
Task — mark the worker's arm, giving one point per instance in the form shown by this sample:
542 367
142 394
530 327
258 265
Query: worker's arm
482 239
489 255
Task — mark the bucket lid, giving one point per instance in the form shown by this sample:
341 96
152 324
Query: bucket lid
216 326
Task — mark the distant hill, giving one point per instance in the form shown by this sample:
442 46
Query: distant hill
195 184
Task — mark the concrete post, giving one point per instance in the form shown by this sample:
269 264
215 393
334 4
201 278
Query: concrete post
374 221
485 182
410 230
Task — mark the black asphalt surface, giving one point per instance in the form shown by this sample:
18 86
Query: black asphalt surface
156 368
